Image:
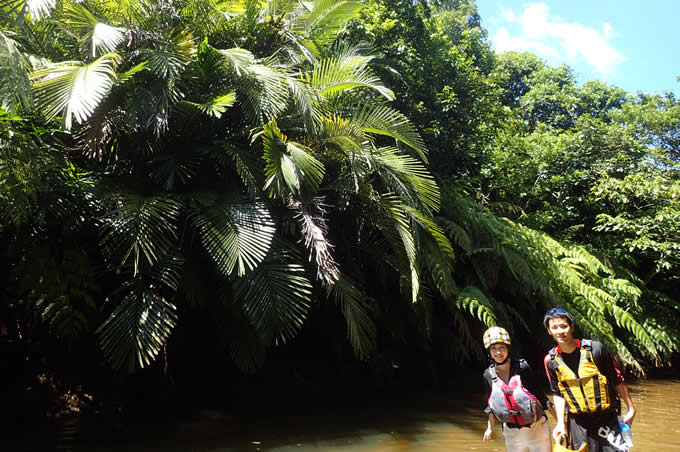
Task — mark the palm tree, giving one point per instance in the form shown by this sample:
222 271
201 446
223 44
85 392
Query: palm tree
265 166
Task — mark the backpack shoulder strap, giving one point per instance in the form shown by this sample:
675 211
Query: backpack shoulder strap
492 372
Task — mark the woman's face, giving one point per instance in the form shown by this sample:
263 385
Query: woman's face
499 352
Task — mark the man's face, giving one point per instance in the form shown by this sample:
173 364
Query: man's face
499 352
561 330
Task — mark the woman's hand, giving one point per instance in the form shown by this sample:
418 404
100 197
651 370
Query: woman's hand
487 434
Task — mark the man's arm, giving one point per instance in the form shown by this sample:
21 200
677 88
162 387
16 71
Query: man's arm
557 408
559 429
605 362
622 391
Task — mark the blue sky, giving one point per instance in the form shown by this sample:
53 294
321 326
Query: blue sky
630 44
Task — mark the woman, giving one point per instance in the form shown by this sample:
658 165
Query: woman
514 398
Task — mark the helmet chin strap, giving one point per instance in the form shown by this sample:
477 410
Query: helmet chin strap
504 361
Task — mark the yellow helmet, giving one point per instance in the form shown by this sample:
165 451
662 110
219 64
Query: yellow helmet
496 335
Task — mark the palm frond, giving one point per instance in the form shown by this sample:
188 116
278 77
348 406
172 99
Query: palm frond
73 88
168 271
358 308
204 16
310 217
289 165
248 166
137 329
438 263
33 9
345 135
177 168
240 59
275 296
15 86
96 37
324 19
393 222
264 95
237 235
333 76
141 228
411 172
167 61
384 120
216 106
61 317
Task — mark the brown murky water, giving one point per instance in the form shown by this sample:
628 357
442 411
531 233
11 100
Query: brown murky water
656 428
456 424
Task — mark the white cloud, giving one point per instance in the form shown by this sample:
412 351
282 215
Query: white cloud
507 43
557 40
508 14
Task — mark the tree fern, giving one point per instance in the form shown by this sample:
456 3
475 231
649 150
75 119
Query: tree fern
473 300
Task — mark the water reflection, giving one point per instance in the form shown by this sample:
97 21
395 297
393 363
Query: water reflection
456 424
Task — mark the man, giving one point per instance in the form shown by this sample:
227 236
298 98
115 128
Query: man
584 380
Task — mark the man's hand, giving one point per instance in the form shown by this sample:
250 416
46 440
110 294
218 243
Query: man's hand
487 434
629 416
558 431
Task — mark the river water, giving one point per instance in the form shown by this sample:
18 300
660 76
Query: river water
450 423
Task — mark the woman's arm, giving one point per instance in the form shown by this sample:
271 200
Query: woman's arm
489 427
532 384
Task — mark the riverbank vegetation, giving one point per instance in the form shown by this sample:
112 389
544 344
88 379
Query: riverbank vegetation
200 194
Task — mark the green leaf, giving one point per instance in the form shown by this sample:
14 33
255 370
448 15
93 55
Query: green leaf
358 308
73 88
217 105
240 59
137 329
170 59
333 76
289 165
383 120
141 228
473 300
236 234
276 296
411 173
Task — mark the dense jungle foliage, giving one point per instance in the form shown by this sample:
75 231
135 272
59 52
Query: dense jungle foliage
213 195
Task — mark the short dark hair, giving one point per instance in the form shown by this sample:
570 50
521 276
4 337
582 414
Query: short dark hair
557 313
